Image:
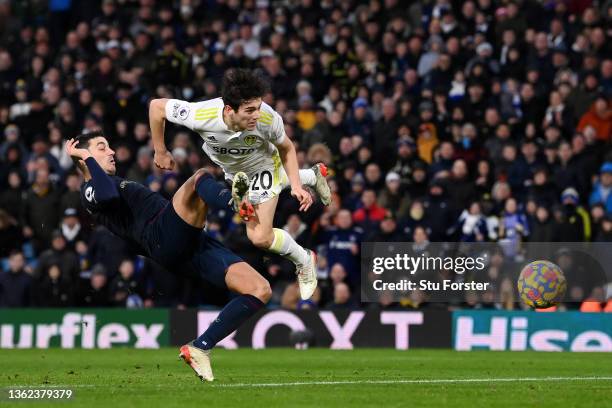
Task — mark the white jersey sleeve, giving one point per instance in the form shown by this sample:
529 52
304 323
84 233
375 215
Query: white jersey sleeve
193 115
271 125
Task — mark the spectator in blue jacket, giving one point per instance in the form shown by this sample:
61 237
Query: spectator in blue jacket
603 188
342 243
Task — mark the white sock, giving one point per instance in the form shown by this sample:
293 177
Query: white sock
286 246
308 177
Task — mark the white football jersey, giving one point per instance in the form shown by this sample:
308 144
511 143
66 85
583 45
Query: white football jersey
247 151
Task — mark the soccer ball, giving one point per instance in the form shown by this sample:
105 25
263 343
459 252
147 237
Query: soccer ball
541 284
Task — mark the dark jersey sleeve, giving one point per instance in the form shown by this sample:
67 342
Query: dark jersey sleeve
101 191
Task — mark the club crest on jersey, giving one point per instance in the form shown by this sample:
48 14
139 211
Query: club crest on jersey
250 140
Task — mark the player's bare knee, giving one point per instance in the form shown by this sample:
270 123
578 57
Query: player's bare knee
262 291
261 239
243 279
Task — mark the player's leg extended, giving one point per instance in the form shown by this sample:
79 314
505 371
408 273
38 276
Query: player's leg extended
188 204
201 190
278 241
315 177
217 196
254 292
264 236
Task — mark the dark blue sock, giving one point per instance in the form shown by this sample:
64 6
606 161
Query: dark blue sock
216 195
231 317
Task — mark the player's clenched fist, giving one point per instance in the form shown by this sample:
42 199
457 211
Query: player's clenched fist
164 160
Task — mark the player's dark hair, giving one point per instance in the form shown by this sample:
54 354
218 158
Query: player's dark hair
84 138
242 85
83 143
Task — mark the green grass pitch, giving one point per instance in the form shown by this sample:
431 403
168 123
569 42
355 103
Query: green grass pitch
315 377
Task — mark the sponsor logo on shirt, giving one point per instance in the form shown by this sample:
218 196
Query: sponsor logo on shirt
90 194
232 150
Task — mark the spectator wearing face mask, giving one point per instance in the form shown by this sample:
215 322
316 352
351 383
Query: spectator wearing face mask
72 229
574 224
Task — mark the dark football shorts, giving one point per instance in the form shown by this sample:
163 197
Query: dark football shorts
171 242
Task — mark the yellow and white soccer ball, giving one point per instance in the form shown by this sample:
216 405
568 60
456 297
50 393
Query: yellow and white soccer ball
541 284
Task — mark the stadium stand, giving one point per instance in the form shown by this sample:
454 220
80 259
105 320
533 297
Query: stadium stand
442 120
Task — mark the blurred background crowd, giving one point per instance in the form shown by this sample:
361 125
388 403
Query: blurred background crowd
440 120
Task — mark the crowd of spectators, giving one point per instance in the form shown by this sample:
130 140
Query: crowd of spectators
441 120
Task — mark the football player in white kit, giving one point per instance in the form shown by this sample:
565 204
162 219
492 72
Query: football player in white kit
246 138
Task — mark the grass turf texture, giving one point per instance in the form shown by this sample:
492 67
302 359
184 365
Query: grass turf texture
155 378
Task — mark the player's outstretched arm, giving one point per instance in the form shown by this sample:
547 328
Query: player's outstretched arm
157 119
288 155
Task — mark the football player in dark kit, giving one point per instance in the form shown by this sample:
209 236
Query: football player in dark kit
170 233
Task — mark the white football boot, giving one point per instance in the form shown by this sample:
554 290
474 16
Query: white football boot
321 187
240 196
307 276
198 360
